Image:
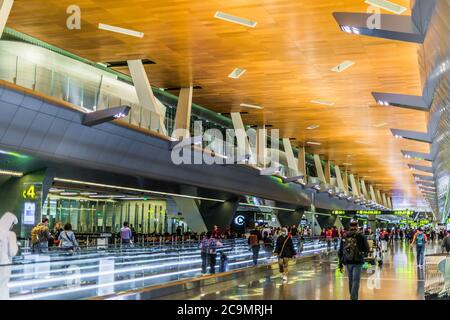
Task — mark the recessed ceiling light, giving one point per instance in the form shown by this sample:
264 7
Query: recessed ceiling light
312 127
251 106
323 102
127 32
387 5
379 125
230 18
68 193
236 73
314 143
343 66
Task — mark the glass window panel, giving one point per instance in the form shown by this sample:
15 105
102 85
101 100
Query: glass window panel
26 73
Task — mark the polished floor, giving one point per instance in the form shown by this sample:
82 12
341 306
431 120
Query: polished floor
398 279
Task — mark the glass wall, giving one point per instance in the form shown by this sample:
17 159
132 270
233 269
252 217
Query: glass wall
94 216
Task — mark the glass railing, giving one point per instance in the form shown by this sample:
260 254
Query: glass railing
90 273
437 277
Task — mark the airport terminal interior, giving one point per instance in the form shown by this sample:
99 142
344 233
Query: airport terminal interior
224 150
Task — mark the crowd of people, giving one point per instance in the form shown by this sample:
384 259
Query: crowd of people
352 244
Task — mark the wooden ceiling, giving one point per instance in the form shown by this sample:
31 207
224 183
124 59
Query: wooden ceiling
288 57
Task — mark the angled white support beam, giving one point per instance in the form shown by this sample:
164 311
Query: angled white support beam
372 194
419 103
423 177
379 199
364 190
262 147
412 135
421 168
243 145
354 186
302 162
417 155
292 162
145 95
385 203
5 9
328 171
340 183
345 178
389 199
319 169
183 115
396 27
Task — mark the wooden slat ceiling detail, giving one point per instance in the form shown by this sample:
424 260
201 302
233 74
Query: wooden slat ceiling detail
288 57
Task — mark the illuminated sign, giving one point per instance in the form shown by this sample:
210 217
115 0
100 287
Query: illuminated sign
368 212
338 212
403 212
239 220
29 193
424 222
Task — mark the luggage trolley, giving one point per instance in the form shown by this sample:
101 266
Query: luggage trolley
374 256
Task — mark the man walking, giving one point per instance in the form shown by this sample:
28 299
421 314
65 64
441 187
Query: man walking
351 253
420 239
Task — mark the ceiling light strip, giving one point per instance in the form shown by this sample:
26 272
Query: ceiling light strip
115 29
251 106
11 173
261 206
134 189
343 66
323 102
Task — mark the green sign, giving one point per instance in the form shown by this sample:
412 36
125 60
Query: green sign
338 212
403 212
368 212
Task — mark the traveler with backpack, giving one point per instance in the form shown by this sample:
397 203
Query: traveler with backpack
67 239
420 239
351 253
285 251
335 235
8 249
40 236
253 242
329 235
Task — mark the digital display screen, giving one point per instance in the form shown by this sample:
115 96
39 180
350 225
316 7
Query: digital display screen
29 213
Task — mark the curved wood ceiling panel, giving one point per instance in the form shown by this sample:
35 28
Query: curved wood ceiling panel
288 57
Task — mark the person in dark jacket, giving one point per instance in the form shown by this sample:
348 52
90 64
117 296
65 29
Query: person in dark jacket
446 243
284 250
351 253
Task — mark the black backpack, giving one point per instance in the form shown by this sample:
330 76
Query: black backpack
351 252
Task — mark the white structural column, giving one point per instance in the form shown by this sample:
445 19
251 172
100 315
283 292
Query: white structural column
5 9
364 190
319 168
354 186
372 194
389 199
302 162
183 116
146 97
292 162
340 183
243 146
358 185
